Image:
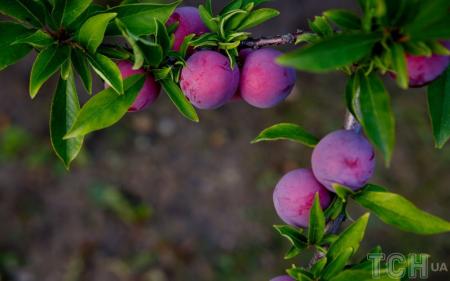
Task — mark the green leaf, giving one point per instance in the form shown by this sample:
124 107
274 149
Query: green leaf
316 228
23 10
338 264
207 18
106 108
299 274
321 26
153 52
317 268
349 238
38 39
107 70
292 252
233 5
428 14
399 65
162 36
66 68
258 17
46 64
344 19
287 131
140 18
179 100
131 39
331 53
67 11
342 191
360 275
115 52
92 32
65 107
439 108
81 65
10 33
376 115
397 211
294 236
351 94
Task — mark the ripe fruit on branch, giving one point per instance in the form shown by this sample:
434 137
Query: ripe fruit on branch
207 80
422 69
343 157
264 83
282 278
189 22
294 196
150 90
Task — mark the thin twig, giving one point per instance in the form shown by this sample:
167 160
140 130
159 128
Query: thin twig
285 39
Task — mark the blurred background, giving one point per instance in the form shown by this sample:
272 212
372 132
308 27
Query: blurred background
158 198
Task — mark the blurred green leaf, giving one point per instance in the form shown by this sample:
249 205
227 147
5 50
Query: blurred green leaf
321 26
344 19
338 264
92 32
232 5
376 116
38 39
439 108
179 100
140 18
9 33
106 108
64 108
318 267
399 65
287 131
107 70
46 64
331 53
67 11
81 66
207 18
397 211
131 39
316 229
23 10
351 237
257 17
294 236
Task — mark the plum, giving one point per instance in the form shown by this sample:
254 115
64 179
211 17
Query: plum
422 69
208 80
294 195
344 157
282 278
189 22
150 90
264 83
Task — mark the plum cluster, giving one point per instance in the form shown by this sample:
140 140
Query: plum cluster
342 157
208 81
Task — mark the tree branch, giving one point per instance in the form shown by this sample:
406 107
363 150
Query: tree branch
285 39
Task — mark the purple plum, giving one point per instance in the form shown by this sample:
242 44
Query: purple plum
264 83
422 70
282 278
150 90
344 157
294 195
207 80
189 22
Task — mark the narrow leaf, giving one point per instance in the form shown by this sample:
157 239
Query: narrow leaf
81 65
46 64
38 39
344 19
287 131
179 100
106 108
23 10
399 65
65 107
338 264
67 11
439 108
331 53
349 238
397 211
10 33
257 17
294 236
107 70
316 228
92 32
376 116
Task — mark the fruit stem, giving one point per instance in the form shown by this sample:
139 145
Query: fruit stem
285 39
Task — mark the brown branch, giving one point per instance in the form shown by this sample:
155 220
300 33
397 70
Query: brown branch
285 39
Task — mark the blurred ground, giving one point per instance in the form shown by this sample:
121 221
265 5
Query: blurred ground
158 198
